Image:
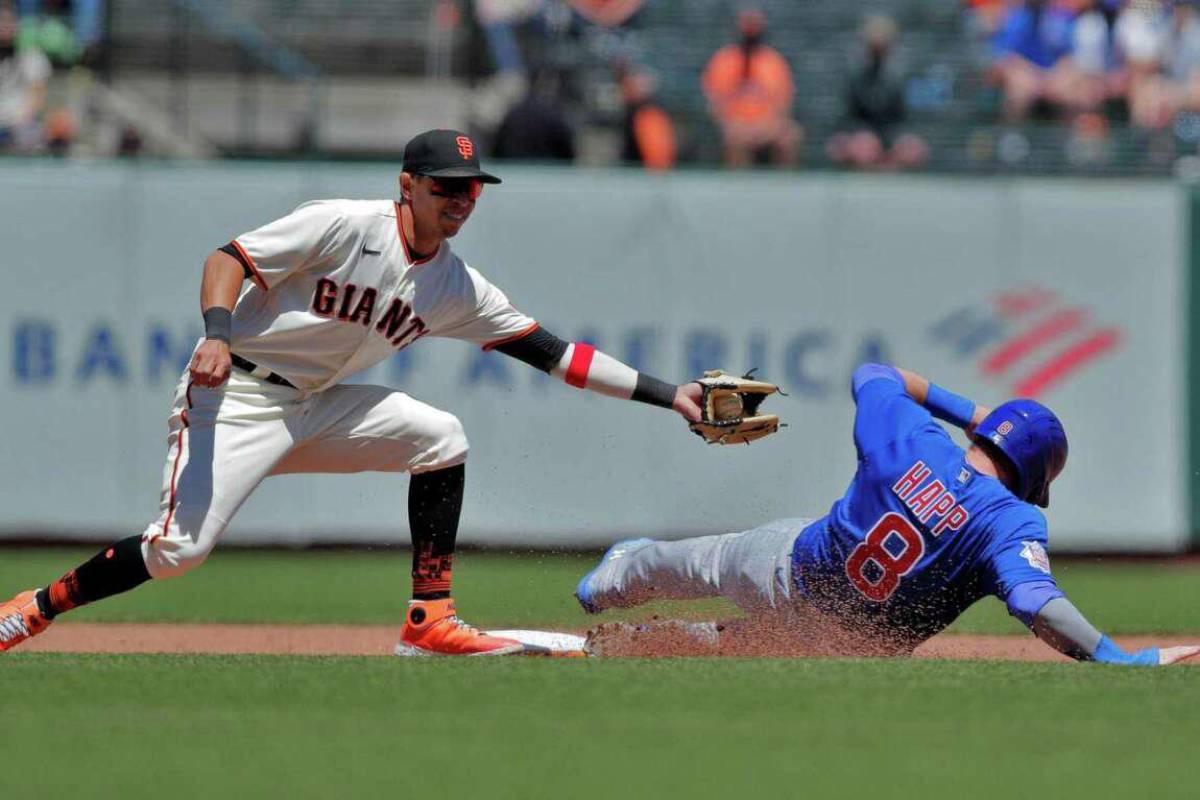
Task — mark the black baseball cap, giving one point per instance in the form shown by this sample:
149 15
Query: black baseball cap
444 153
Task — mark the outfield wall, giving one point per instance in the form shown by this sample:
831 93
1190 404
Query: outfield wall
1072 291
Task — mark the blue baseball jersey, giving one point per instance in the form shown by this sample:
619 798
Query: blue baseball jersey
920 535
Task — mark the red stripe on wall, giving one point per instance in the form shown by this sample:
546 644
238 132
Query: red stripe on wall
1022 302
1068 361
1055 327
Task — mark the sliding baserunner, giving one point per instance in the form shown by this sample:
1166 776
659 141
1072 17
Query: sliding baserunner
925 529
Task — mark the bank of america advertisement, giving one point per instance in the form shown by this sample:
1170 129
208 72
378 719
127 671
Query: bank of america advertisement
1070 293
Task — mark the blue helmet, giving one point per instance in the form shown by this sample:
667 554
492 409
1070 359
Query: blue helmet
1033 440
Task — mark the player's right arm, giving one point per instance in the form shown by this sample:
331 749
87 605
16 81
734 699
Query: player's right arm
942 403
266 255
893 401
219 289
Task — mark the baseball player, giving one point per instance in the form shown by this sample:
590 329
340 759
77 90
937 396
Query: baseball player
291 310
924 531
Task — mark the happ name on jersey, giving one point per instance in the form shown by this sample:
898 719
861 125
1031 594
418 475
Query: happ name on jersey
931 500
326 303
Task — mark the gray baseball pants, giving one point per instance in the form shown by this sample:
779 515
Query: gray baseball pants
751 568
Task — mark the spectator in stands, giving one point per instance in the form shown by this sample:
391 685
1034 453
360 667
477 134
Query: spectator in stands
129 142
1141 32
609 13
536 127
514 33
499 20
749 89
875 108
1101 76
1032 58
1171 83
73 25
648 132
982 20
59 132
987 15
24 72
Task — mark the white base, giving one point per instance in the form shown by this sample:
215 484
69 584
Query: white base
537 643
545 642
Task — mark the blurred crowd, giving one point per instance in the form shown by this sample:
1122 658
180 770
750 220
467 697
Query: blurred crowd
1084 64
39 38
1067 58
546 75
1088 64
748 87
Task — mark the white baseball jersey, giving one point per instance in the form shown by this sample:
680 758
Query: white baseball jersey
335 291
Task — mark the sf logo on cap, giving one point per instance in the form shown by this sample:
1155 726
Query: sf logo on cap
466 147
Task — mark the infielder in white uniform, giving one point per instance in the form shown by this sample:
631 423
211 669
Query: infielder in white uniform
291 310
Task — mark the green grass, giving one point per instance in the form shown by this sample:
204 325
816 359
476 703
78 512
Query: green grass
233 727
530 589
334 586
184 727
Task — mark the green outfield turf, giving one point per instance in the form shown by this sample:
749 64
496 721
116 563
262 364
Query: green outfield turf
233 727
270 727
530 589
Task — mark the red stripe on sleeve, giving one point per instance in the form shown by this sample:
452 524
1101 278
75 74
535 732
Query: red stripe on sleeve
513 338
581 362
249 262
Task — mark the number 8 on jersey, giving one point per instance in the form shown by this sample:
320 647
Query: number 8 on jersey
894 546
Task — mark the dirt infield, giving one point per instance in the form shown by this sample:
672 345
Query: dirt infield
378 640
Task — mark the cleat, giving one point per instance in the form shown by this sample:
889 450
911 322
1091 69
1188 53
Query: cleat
20 619
431 628
585 591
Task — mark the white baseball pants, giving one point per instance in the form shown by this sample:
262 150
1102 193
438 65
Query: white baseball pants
222 442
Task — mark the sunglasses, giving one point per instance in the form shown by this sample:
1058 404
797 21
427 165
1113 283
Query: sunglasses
456 187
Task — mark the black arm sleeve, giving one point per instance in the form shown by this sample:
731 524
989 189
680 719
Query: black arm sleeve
653 391
229 249
541 349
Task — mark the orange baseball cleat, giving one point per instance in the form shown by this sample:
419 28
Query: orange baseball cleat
432 629
20 619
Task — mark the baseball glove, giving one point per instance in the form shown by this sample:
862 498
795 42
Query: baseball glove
729 408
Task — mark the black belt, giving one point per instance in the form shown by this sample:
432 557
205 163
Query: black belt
245 365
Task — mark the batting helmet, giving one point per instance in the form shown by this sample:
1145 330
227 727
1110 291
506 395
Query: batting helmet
1033 440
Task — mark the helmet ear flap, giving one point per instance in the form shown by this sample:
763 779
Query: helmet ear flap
1005 461
1039 494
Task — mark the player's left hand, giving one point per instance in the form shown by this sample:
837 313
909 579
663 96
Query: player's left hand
1173 655
687 401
